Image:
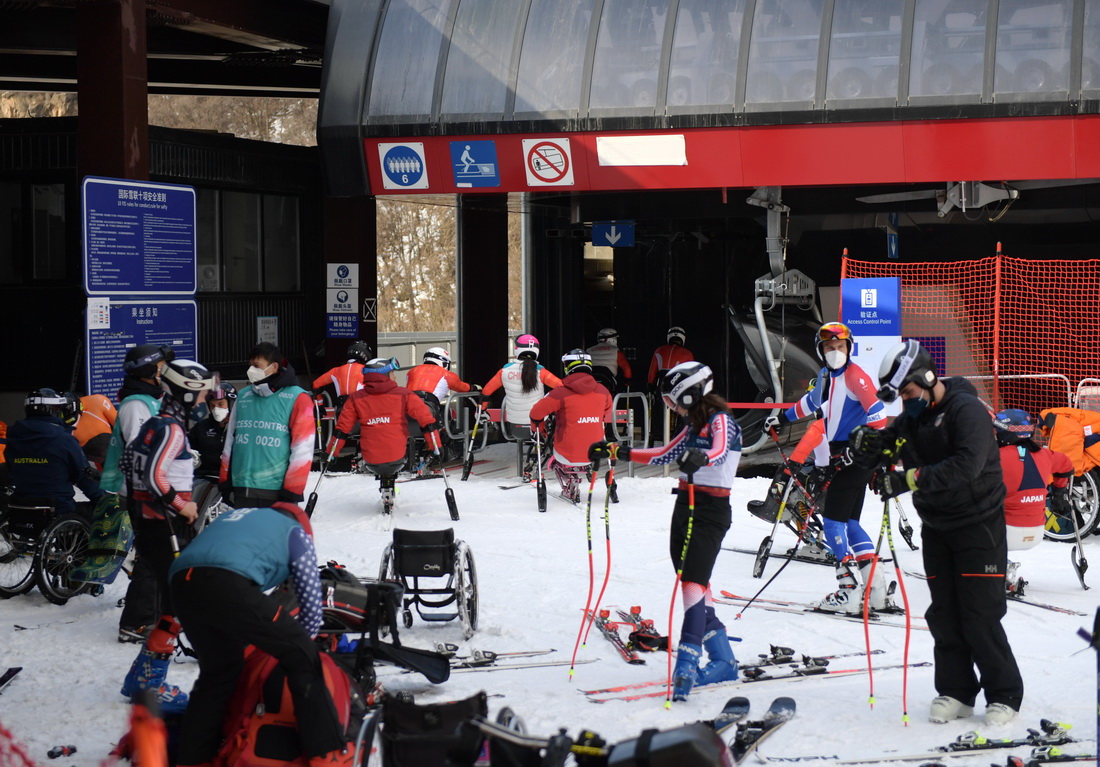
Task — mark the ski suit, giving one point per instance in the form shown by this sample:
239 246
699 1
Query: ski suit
218 586
45 462
344 379
960 498
382 410
580 405
517 403
93 430
720 439
1027 473
268 443
665 358
844 399
609 356
431 378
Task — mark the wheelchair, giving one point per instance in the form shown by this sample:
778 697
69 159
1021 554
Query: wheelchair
436 571
39 547
1085 500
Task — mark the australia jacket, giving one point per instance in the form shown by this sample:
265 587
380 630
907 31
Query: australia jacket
952 444
383 409
579 405
45 462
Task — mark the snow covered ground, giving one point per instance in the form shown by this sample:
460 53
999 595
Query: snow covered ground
533 578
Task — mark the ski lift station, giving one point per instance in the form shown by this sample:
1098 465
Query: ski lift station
701 163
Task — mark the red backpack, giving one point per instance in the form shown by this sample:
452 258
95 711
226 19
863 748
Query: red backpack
260 727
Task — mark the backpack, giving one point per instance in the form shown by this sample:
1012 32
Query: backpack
260 727
1074 432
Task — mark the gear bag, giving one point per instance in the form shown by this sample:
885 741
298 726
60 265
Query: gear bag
414 735
260 727
109 542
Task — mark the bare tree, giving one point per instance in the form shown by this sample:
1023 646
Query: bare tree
416 265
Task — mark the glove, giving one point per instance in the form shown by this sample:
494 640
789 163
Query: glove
599 451
775 421
842 460
475 388
692 460
226 489
1060 503
868 446
537 428
891 484
92 473
623 453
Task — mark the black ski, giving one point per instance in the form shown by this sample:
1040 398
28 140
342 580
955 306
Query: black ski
9 675
610 629
1012 597
733 712
488 658
751 734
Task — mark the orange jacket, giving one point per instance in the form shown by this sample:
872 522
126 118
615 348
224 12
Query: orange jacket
98 417
432 378
667 357
1075 433
346 378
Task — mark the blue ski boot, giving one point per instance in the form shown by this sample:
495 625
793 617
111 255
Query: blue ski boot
723 665
687 666
148 672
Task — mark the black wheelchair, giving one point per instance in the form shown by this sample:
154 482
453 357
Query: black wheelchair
40 547
436 571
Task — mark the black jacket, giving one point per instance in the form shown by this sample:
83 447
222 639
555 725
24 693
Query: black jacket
207 438
954 447
46 461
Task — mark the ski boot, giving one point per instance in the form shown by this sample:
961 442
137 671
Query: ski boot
684 673
846 598
878 590
148 673
1014 584
723 664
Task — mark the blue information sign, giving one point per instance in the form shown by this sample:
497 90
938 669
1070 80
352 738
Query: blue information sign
474 163
871 306
139 238
343 326
615 234
113 327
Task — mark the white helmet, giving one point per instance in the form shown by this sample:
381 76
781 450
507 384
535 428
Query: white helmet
527 345
676 335
608 335
439 356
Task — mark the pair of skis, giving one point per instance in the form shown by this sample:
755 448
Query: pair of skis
800 608
1013 597
749 734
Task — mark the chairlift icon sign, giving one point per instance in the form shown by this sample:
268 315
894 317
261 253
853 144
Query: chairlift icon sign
403 165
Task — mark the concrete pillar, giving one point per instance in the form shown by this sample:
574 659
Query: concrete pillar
482 230
112 88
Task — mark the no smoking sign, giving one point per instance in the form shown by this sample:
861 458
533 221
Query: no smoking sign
547 162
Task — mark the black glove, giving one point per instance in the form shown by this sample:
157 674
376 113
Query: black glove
600 451
475 388
692 460
92 473
842 460
623 453
776 421
1060 503
891 484
813 478
226 489
870 447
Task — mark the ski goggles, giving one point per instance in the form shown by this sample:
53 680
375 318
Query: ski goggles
834 330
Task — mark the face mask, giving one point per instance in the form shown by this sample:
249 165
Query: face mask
914 407
219 413
255 374
836 359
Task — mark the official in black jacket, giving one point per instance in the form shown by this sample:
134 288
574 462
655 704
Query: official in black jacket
952 464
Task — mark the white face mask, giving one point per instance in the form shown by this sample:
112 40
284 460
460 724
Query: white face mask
255 374
219 413
836 359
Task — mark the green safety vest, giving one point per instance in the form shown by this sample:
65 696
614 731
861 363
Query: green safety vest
260 453
111 481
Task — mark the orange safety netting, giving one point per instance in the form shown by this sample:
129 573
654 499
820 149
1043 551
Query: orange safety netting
1024 331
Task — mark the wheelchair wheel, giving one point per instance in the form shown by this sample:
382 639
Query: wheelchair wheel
16 563
386 571
466 586
63 546
1085 499
211 507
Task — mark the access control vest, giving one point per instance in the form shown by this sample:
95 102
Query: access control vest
261 439
111 481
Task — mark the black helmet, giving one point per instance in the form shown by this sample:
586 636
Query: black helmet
183 380
576 361
1013 427
225 390
676 335
686 384
360 351
44 402
71 410
908 362
141 361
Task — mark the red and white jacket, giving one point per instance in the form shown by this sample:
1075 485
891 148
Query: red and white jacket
345 379
1027 474
580 404
432 378
383 409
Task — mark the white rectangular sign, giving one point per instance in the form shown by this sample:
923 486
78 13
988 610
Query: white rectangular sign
342 275
641 150
343 300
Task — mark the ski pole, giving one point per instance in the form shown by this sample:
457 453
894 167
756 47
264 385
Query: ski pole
607 538
802 527
589 614
1080 564
540 485
312 502
679 575
1094 642
449 494
904 527
468 464
908 626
